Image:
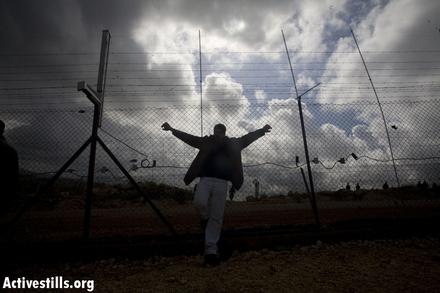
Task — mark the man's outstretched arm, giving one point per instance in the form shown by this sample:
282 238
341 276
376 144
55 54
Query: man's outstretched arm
194 141
253 136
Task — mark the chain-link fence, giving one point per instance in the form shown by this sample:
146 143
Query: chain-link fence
349 152
347 143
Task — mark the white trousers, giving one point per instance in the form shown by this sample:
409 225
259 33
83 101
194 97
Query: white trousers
210 200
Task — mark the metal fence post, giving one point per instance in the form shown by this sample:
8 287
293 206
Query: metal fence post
380 108
303 130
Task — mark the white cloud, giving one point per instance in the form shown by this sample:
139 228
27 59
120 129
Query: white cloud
260 96
235 26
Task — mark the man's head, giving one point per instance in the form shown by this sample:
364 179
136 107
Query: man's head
2 127
219 130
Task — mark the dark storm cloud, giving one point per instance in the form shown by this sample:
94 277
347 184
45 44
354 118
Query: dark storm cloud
63 25
75 24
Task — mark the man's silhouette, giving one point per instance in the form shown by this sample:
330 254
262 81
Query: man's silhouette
8 171
218 161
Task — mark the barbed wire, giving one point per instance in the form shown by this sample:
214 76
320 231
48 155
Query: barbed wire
209 64
10 54
344 160
86 105
185 167
391 84
79 100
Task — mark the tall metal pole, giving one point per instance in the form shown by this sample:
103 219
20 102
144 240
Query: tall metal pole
306 149
97 118
201 87
380 108
102 73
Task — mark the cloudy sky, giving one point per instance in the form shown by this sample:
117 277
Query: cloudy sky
47 46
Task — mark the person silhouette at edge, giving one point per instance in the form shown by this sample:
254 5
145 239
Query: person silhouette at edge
217 162
8 171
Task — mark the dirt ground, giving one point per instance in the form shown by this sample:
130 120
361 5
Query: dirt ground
410 265
141 221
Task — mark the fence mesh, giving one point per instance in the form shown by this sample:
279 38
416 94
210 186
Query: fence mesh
355 133
347 146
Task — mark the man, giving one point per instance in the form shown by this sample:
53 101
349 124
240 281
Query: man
8 171
217 162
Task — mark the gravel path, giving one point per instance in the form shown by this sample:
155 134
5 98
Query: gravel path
411 265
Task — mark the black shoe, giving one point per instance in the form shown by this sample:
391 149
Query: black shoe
212 260
203 224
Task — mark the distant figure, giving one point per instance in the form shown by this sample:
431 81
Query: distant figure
8 171
419 184
385 185
348 187
357 195
434 186
425 185
217 162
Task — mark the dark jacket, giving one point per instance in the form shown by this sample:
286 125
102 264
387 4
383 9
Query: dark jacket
208 144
